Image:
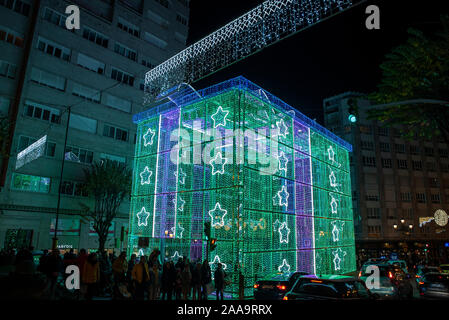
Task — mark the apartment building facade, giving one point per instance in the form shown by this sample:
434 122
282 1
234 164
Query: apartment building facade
99 71
400 187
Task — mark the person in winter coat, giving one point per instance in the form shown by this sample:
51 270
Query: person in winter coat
91 275
168 281
219 277
196 281
155 283
119 268
140 276
206 278
186 278
53 268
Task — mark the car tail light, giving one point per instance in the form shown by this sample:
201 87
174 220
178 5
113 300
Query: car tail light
360 274
285 298
421 282
417 276
281 287
256 286
390 275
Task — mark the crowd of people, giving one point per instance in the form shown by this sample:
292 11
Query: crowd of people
140 278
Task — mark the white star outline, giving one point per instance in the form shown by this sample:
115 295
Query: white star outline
181 207
282 227
217 260
282 123
220 110
178 235
336 231
148 173
176 256
334 205
182 176
283 266
331 153
214 160
337 259
142 214
145 137
213 216
333 180
278 195
282 155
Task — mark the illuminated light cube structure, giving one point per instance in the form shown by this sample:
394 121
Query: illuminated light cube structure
295 217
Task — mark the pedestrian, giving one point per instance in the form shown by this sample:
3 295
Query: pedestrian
119 268
140 276
131 264
206 278
186 278
154 287
53 268
91 275
167 281
105 273
196 282
219 276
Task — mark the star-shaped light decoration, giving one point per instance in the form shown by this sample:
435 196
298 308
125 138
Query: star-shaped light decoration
181 202
140 253
179 232
284 267
282 195
219 117
284 231
181 177
334 205
175 256
142 217
283 129
276 225
283 160
145 176
148 137
338 258
218 161
331 153
333 179
337 228
217 216
216 261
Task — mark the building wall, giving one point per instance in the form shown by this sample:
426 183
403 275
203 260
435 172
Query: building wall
34 210
383 195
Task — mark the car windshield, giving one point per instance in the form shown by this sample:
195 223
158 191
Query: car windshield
343 289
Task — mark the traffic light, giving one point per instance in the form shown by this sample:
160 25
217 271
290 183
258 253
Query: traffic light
207 229
352 110
213 244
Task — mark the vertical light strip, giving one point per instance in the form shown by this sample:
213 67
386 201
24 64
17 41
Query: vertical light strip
313 210
157 164
177 176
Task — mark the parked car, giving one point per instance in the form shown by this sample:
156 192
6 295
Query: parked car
329 287
394 283
444 268
400 263
434 286
274 286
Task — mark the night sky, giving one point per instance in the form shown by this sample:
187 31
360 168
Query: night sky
332 57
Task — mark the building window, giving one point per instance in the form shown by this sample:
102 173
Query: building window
402 164
369 161
155 40
54 49
90 63
125 51
122 76
147 63
399 147
406 196
17 5
444 167
47 79
83 123
8 69
374 229
118 103
430 166
79 155
181 19
11 37
372 197
434 182
95 37
384 147
366 145
417 165
429 151
408 213
24 182
382 131
435 197
86 92
421 197
443 153
115 133
414 149
157 19
38 111
72 188
386 163
56 18
128 27
373 213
